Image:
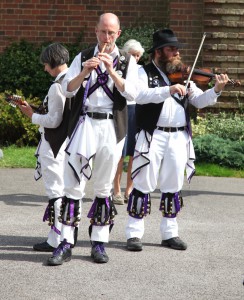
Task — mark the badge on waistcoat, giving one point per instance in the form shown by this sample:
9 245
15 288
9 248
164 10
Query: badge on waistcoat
122 65
122 58
154 82
119 72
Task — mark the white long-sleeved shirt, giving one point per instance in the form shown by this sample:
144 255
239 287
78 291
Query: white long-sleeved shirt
172 113
56 101
98 101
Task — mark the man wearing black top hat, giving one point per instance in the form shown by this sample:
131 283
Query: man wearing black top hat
164 147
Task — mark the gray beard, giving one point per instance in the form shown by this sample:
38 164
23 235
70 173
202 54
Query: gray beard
172 66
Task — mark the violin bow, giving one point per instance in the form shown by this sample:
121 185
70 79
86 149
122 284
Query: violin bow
194 64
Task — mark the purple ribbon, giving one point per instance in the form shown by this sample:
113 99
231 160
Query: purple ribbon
177 204
102 79
45 216
86 90
92 210
54 228
71 208
108 206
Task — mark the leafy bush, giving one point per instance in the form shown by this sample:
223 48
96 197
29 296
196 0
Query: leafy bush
226 126
214 149
16 128
23 74
21 69
199 127
142 33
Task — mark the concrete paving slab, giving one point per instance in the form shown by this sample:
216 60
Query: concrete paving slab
212 224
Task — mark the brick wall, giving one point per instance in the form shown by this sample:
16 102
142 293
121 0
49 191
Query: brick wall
186 18
65 20
223 48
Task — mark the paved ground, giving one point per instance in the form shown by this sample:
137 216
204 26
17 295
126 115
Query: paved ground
212 223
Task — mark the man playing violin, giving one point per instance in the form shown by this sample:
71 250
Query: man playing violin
164 147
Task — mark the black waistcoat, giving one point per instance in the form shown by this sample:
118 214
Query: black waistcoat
56 136
147 115
119 103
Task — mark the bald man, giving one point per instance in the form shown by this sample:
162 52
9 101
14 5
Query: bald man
101 78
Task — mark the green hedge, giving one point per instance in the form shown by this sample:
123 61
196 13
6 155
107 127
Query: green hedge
219 139
143 34
224 152
227 126
21 69
16 128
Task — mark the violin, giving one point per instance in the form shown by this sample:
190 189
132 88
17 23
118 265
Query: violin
195 72
199 76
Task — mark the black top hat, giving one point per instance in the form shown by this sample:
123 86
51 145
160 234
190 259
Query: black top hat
162 38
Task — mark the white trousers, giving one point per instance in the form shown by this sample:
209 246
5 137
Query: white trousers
52 169
136 228
168 157
53 179
108 153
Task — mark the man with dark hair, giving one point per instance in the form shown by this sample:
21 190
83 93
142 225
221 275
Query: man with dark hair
164 147
101 78
52 117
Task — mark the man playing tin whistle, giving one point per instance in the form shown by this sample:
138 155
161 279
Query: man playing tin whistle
101 78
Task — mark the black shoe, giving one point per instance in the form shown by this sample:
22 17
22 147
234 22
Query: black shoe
174 243
43 247
59 257
134 244
98 253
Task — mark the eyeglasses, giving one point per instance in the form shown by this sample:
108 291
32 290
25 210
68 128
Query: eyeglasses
109 33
